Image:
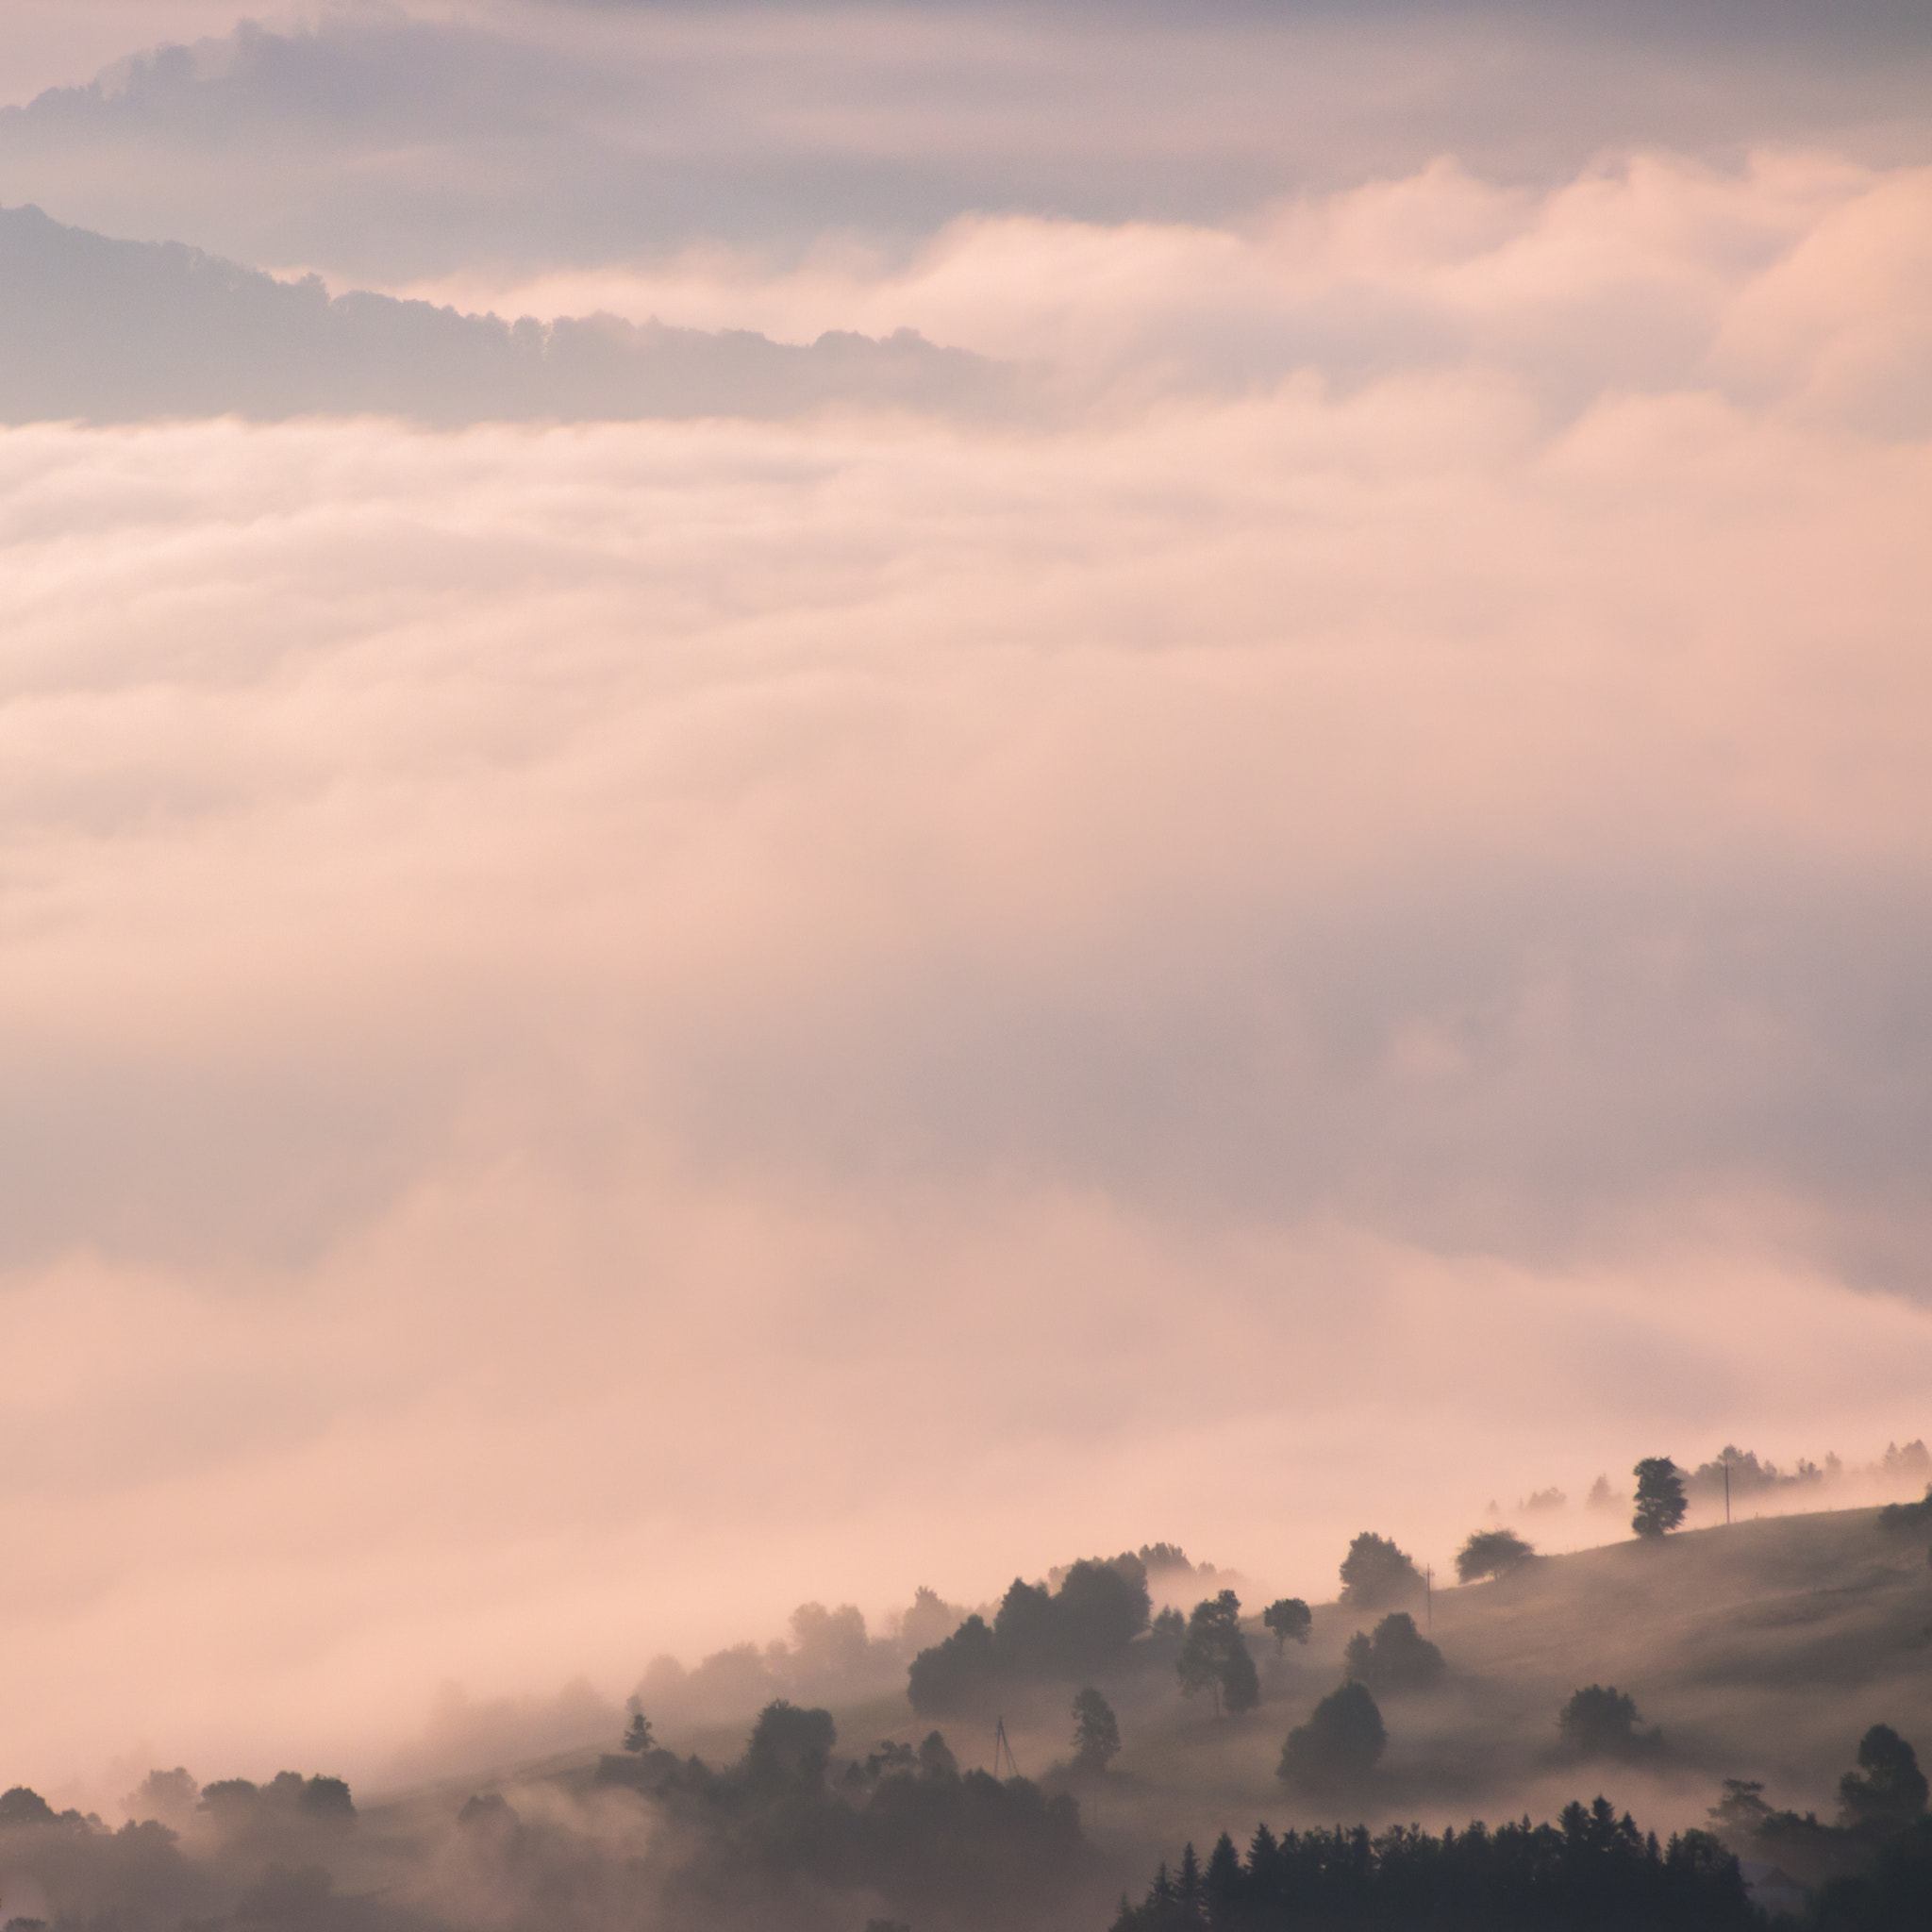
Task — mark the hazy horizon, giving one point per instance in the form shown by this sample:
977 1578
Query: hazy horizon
1277 884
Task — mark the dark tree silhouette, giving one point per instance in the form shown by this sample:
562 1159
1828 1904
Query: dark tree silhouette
1397 1657
1600 1721
165 1794
1906 1519
1088 1623
1895 1895
1591 1869
1340 1744
24 1806
957 1675
1375 1574
327 1798
637 1735
1491 1553
1025 1630
1155 1558
790 1746
1098 1610
1888 1790
1660 1503
1240 1683
1096 1731
1289 1619
1215 1655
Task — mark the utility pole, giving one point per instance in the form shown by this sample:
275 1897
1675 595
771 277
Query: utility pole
1727 1492
1003 1747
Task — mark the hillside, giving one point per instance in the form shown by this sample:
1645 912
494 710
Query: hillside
1764 1651
1761 1650
108 331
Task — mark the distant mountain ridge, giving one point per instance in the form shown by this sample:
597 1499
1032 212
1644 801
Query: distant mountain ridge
107 331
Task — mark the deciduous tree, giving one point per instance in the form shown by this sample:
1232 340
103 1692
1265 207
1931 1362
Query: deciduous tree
1289 1619
1096 1731
1375 1574
1491 1553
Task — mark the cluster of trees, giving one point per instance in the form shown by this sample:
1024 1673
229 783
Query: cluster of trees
904 1823
1167 1562
1214 1656
24 1806
1747 1474
1872 1871
1662 1504
231 1804
1072 1632
256 1859
828 1654
1664 1491
1906 1519
237 1805
1592 1869
1884 1795
1342 1738
1397 1656
1600 1721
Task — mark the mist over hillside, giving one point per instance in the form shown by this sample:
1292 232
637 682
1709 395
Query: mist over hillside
100 331
1755 1673
917 918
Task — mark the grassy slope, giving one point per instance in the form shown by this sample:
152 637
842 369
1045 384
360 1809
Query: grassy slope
1763 1650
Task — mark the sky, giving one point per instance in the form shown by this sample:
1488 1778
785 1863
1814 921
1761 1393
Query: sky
1322 917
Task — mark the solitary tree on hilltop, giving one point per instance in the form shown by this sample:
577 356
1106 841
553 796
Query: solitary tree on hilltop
1376 1574
637 1736
1491 1553
1660 1504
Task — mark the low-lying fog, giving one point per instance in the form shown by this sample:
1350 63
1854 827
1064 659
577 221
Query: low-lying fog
609 1029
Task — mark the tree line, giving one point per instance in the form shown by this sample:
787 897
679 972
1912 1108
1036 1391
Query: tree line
1592 1871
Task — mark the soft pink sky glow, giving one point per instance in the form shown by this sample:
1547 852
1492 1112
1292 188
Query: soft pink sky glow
621 1027
1319 917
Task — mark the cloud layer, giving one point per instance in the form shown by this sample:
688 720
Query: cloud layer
381 145
609 1028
